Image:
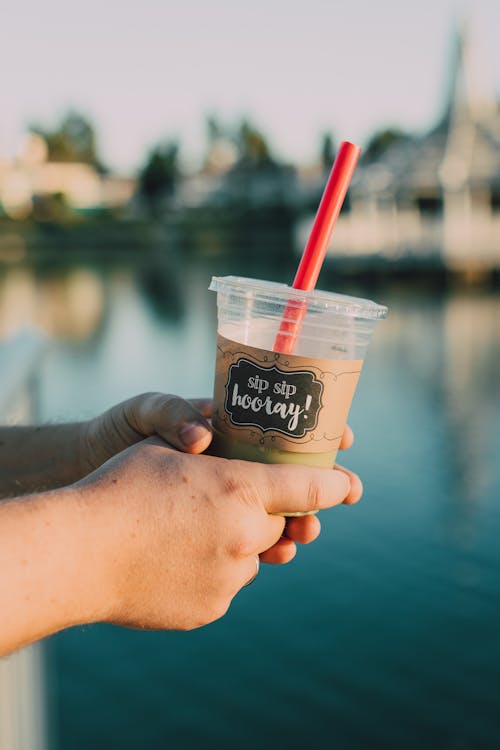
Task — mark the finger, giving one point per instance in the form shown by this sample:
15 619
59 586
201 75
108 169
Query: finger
288 488
280 553
177 421
347 438
356 490
273 528
302 529
203 405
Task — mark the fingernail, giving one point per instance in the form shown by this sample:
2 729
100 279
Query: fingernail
192 432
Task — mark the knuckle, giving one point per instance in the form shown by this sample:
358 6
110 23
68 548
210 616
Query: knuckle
242 545
233 481
275 478
314 495
144 401
231 485
175 469
139 411
168 403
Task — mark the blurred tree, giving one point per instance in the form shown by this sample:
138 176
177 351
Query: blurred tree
158 177
253 149
221 151
52 208
381 141
215 130
73 140
250 147
328 151
257 179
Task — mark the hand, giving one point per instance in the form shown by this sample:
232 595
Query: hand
182 424
180 533
185 425
305 529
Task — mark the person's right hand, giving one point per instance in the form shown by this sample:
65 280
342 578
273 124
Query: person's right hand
179 534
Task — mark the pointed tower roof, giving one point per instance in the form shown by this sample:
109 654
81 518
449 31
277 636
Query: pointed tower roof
469 95
471 121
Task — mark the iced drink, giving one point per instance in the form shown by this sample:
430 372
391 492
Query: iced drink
277 407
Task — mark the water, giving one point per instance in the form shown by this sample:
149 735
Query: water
384 633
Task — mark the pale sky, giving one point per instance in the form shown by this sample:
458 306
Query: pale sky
149 70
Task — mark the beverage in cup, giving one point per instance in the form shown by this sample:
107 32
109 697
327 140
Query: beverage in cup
289 358
287 366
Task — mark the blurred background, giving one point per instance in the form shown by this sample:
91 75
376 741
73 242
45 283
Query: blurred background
145 147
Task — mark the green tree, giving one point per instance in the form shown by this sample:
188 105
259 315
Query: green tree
381 141
72 140
253 148
327 152
159 175
215 130
253 151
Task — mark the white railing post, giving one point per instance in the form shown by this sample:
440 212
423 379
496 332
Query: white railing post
23 723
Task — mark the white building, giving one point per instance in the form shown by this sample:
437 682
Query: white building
434 197
31 175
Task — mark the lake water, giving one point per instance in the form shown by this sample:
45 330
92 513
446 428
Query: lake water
382 634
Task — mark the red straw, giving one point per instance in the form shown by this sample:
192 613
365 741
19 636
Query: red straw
317 244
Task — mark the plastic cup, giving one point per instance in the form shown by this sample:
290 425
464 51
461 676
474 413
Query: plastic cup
277 407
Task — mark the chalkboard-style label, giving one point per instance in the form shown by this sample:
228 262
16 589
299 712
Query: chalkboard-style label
273 399
281 401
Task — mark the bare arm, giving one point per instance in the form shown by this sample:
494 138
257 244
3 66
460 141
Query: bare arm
153 539
52 566
35 459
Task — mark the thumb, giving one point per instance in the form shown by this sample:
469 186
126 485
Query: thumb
175 420
301 489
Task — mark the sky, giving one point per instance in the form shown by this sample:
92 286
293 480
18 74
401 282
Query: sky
153 70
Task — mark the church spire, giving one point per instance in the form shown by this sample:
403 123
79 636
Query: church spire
469 96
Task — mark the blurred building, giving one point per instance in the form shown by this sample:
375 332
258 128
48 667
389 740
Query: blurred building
32 178
239 172
434 198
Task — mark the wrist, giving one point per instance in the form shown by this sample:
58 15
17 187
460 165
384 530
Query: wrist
55 566
41 458
96 525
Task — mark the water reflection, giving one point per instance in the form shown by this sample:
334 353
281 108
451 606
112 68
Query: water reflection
68 306
410 562
71 303
160 283
447 348
470 379
448 344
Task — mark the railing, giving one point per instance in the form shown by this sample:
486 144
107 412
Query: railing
23 723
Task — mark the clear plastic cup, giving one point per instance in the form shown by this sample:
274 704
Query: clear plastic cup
276 407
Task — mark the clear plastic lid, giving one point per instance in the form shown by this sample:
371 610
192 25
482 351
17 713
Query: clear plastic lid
271 291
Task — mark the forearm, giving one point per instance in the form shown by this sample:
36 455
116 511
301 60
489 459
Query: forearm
54 565
34 459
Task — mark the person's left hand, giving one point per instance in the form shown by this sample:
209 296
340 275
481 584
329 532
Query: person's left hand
181 424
